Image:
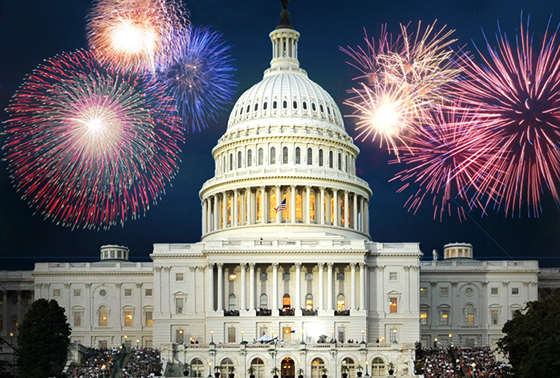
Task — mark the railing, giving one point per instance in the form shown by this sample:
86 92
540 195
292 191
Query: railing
231 312
310 312
264 312
287 312
342 313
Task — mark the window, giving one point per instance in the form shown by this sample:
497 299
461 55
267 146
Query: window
149 316
423 291
294 104
330 159
264 276
179 304
103 316
274 104
285 104
393 309
494 291
128 318
179 277
393 276
148 292
469 314
317 367
272 155
231 334
339 161
285 155
340 302
197 366
179 336
77 292
56 293
340 276
128 292
264 301
495 317
444 291
424 317
232 302
286 301
260 157
309 156
249 158
286 276
239 160
341 334
258 367
309 276
77 318
231 162
320 157
444 317
298 155
378 367
309 302
514 291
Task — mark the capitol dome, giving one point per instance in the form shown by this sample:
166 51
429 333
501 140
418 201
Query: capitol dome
285 165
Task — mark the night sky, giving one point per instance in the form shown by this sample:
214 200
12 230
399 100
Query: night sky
33 30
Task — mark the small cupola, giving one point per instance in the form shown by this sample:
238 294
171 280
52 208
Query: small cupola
457 251
114 252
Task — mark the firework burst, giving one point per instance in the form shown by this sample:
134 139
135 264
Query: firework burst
200 77
516 92
450 160
135 34
89 146
400 79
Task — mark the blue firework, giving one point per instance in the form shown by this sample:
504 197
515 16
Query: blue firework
201 77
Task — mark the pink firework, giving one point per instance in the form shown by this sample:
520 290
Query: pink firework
451 161
399 82
517 95
89 146
135 34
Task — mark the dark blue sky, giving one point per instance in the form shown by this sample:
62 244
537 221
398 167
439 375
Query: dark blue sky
32 30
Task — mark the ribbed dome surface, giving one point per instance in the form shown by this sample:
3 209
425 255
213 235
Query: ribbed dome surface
286 94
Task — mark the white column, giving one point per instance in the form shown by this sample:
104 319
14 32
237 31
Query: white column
336 207
321 286
380 291
224 210
322 206
220 287
243 286
353 286
330 286
204 217
362 286
298 305
346 209
307 207
278 200
251 286
210 287
235 209
293 204
249 206
274 287
264 203
355 213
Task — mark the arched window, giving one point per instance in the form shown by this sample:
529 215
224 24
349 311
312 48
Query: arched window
330 159
249 158
298 155
238 159
258 368
469 314
320 157
259 207
299 207
317 367
263 302
197 368
349 366
312 206
231 162
272 155
103 314
309 156
261 156
286 301
232 302
285 104
339 161
285 155
340 302
378 367
271 206
309 302
226 366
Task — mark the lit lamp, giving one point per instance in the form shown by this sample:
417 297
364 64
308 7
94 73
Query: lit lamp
332 338
210 368
394 335
212 337
363 333
137 342
435 342
451 339
242 336
367 364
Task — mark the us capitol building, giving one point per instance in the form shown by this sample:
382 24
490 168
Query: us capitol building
299 290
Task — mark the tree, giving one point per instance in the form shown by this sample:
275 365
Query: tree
532 339
43 339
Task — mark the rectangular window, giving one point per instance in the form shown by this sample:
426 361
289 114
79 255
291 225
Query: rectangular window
148 292
102 344
149 319
179 336
444 291
393 276
423 317
77 292
128 318
286 276
494 315
179 303
264 276
231 335
393 305
179 277
423 292
56 293
514 291
77 319
444 320
128 292
309 276
340 276
341 334
494 291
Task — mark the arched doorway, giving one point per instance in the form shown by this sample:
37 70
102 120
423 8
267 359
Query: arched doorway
287 369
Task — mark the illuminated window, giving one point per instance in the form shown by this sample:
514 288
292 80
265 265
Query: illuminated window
317 367
286 213
272 205
286 301
423 291
312 206
259 207
299 207
423 317
103 316
495 317
340 302
128 318
444 317
239 199
179 336
309 302
393 305
149 316
469 314
232 333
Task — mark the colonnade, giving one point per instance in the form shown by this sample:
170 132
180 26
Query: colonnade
304 205
248 293
12 309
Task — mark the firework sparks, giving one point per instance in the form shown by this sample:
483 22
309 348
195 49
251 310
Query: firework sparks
399 82
89 146
200 77
135 34
450 159
517 94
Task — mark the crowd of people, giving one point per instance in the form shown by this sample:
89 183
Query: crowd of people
97 363
478 362
142 363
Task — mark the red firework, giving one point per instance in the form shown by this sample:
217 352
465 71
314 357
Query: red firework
516 92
